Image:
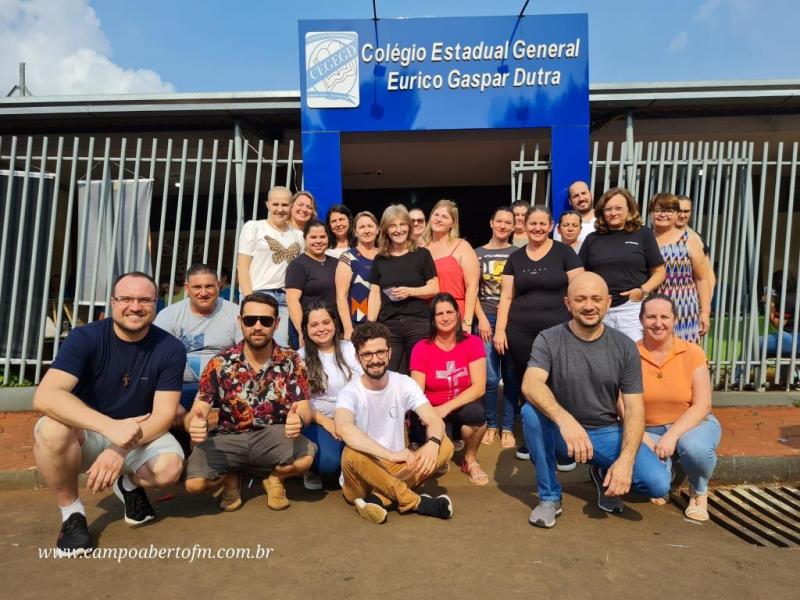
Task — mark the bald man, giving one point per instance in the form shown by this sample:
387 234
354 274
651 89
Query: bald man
575 374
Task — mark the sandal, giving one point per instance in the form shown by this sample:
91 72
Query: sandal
507 440
477 476
695 512
489 436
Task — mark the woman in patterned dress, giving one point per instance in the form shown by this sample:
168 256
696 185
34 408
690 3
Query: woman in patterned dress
687 281
352 273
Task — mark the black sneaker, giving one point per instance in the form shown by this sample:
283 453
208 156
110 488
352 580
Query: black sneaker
565 465
606 503
440 507
138 510
74 538
523 453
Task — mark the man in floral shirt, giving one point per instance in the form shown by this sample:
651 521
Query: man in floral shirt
261 390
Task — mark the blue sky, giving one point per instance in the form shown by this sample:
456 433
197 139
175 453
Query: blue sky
200 45
121 46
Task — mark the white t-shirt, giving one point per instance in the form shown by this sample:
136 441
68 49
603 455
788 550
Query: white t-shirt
326 401
271 250
587 227
381 415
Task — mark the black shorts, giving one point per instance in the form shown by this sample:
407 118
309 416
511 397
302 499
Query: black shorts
257 451
471 414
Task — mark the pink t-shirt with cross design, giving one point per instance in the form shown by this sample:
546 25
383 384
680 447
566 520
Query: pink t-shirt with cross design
446 371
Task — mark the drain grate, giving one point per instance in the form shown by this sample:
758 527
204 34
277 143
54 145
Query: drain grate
764 516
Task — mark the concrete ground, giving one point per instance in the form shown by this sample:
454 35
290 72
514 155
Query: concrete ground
322 549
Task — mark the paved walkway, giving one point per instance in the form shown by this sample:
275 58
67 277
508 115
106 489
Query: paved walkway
747 432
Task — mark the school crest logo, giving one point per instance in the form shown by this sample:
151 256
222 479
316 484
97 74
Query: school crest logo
332 69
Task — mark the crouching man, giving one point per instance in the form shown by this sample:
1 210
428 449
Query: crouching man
262 392
378 470
109 398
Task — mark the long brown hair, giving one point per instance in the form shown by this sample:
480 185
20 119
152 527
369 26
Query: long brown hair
317 378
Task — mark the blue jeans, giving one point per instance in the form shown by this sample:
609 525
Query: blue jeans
696 450
328 459
772 344
495 366
544 442
281 335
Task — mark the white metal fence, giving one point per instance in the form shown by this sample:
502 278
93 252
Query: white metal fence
77 212
744 208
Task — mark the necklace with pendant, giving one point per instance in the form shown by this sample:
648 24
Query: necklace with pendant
126 373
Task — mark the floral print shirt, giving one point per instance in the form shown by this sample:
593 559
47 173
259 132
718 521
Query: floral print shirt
249 399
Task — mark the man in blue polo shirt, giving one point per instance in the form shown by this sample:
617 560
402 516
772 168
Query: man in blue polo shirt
109 398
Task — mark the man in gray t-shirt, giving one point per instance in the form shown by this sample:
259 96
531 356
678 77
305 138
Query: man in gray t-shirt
575 375
204 322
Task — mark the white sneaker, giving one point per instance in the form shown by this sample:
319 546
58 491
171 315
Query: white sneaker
312 481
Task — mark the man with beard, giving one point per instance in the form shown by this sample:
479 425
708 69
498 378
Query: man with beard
580 198
575 374
108 399
261 390
378 471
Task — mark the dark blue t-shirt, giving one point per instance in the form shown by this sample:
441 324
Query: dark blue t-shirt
99 359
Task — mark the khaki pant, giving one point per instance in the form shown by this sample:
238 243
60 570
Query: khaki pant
390 482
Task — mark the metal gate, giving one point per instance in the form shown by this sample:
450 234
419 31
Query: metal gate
744 208
77 212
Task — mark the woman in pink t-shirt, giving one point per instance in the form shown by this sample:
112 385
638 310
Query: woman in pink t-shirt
450 367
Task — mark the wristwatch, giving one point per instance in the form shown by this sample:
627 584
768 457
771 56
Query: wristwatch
436 440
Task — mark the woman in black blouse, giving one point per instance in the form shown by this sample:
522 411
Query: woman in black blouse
402 279
626 255
535 280
311 276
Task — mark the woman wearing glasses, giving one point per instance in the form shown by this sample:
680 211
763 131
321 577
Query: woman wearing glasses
626 256
331 363
687 280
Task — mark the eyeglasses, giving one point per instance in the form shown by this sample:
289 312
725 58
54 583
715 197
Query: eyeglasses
251 320
685 212
663 211
132 299
614 209
417 220
379 354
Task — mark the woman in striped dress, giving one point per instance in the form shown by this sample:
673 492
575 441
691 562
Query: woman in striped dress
687 282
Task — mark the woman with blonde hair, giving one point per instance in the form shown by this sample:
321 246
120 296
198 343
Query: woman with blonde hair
457 265
352 273
626 256
402 279
302 209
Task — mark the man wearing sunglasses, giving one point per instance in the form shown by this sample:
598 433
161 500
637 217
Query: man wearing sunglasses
261 390
378 471
109 398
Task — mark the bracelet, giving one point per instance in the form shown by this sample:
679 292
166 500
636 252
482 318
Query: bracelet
645 293
436 440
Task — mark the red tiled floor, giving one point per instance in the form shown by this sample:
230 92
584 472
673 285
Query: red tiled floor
760 431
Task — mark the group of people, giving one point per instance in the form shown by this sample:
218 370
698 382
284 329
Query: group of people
354 334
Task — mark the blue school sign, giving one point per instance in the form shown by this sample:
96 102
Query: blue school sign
444 73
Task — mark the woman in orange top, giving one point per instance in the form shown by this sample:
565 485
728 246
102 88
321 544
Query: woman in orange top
677 401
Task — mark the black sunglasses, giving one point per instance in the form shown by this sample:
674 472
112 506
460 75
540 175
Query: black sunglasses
250 320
